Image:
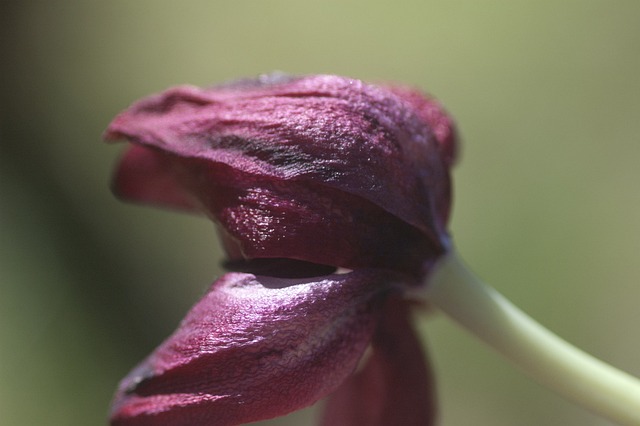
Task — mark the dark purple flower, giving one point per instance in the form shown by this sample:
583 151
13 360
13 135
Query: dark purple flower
331 197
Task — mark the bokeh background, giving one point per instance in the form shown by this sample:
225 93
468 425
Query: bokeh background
547 206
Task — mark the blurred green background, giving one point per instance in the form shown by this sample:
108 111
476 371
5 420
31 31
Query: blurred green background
547 207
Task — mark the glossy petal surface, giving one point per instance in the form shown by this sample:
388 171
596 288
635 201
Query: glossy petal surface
301 175
254 348
263 218
385 148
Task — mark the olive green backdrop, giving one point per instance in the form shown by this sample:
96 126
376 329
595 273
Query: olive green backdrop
547 208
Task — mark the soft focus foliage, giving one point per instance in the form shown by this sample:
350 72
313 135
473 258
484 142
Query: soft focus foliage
547 206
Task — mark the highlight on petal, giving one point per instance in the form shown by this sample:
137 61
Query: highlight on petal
302 175
254 348
385 146
395 386
262 217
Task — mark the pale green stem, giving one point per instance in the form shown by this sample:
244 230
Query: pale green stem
550 360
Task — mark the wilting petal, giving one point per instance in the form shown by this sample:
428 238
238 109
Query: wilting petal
152 177
301 175
395 387
254 348
264 218
326 131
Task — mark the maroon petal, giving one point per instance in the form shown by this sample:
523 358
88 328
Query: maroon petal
386 148
395 387
261 217
432 112
254 348
151 177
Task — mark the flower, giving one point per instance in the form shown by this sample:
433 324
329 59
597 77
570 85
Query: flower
331 197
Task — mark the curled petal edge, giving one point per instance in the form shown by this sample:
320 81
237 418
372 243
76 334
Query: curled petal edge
254 348
384 144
